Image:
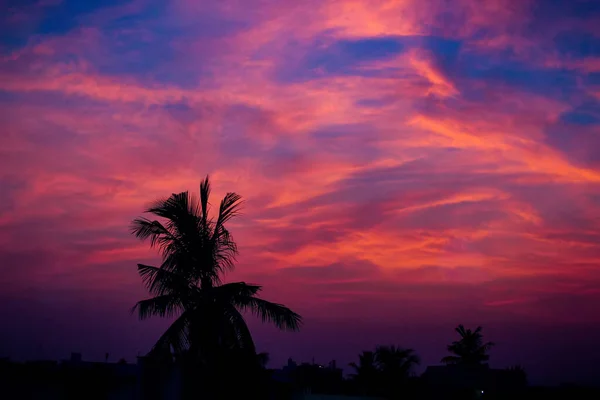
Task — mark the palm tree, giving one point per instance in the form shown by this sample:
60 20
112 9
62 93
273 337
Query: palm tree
366 366
396 362
196 251
366 372
470 349
384 370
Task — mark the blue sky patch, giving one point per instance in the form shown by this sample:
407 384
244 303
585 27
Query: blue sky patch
578 45
587 113
553 82
579 118
346 57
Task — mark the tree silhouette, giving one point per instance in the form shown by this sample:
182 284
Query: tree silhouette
396 365
385 370
366 367
196 252
470 349
396 362
366 372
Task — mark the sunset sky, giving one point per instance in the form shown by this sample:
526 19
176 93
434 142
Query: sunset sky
408 165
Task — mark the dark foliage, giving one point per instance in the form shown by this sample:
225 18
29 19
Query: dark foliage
470 349
209 335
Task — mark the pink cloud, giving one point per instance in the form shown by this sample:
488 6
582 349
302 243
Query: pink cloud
403 187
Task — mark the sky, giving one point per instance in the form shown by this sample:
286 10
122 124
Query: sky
407 166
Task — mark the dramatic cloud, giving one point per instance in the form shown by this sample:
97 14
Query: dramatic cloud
405 163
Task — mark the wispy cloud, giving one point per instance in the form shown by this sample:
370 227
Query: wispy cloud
388 149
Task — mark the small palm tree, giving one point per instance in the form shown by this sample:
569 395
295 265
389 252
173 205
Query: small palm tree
366 373
470 349
366 367
385 371
196 251
396 362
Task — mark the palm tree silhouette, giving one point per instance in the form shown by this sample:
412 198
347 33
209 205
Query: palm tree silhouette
366 366
384 370
470 349
366 372
196 251
396 361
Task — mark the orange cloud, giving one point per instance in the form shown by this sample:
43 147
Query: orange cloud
439 159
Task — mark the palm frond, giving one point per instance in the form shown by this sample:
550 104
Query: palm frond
143 228
240 329
166 305
175 337
225 249
230 207
168 241
460 329
181 212
222 241
170 208
204 196
234 290
160 281
281 316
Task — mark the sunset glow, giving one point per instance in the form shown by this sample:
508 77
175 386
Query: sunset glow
407 166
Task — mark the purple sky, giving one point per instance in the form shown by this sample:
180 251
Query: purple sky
408 166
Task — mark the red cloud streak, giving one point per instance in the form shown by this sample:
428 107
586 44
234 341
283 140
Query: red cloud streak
402 193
